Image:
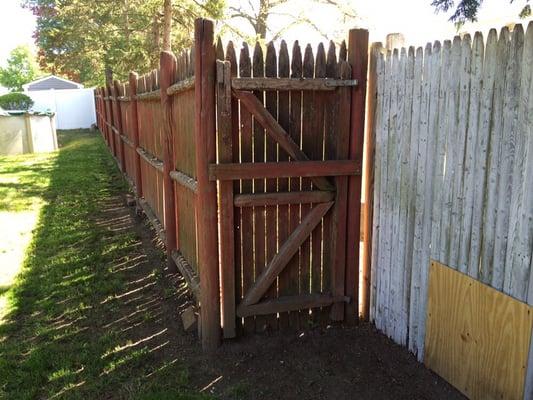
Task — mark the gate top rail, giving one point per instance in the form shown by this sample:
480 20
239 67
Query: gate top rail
256 83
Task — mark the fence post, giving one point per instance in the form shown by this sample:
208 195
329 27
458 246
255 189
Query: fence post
134 126
104 116
205 134
167 63
358 59
368 180
118 116
109 114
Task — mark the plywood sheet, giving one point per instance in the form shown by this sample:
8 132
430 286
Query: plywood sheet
476 337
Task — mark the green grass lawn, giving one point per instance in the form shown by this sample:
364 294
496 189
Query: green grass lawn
78 321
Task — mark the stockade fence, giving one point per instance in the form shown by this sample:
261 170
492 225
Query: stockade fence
250 168
453 207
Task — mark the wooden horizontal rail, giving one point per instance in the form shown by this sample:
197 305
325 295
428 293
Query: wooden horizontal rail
124 98
153 95
286 169
181 86
115 130
150 159
290 83
290 303
272 199
188 273
127 140
185 180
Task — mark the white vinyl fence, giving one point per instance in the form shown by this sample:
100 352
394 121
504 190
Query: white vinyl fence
74 108
453 175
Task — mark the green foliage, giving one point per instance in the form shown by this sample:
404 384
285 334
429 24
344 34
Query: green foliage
84 39
467 10
21 68
15 101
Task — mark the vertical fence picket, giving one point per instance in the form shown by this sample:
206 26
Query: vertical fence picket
295 123
306 139
330 132
517 274
258 70
271 222
376 118
450 157
482 147
283 183
226 224
460 130
168 76
245 70
235 141
509 140
134 126
419 137
315 153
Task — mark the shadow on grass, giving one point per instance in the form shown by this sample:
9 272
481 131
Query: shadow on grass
89 317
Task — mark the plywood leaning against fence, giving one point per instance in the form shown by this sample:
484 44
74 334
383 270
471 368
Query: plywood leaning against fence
256 155
453 172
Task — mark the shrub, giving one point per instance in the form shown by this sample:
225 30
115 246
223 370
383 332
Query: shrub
15 101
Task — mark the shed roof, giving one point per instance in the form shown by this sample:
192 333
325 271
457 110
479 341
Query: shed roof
51 82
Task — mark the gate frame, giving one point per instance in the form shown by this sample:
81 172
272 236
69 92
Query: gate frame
346 212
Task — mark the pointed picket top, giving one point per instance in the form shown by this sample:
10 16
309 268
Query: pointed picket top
232 58
320 63
192 56
331 61
245 65
342 51
283 60
296 61
219 49
258 66
309 62
271 68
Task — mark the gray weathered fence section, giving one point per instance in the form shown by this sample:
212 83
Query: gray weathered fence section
453 178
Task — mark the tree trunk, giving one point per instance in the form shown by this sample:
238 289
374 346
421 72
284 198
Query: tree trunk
261 21
167 25
108 75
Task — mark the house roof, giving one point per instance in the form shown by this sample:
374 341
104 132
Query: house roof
51 82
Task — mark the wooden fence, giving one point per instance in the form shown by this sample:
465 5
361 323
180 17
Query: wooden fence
258 158
453 172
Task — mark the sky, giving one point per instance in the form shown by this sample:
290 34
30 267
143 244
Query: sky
16 27
415 19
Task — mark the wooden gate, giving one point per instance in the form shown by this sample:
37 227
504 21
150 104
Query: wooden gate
290 136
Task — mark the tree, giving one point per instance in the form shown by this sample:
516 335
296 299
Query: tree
467 10
167 25
258 13
88 40
15 101
21 68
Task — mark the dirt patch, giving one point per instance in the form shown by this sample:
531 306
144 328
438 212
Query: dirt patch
334 363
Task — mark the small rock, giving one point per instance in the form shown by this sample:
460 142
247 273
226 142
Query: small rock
188 318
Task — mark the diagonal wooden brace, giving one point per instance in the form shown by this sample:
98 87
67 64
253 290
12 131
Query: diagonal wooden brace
277 133
285 253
